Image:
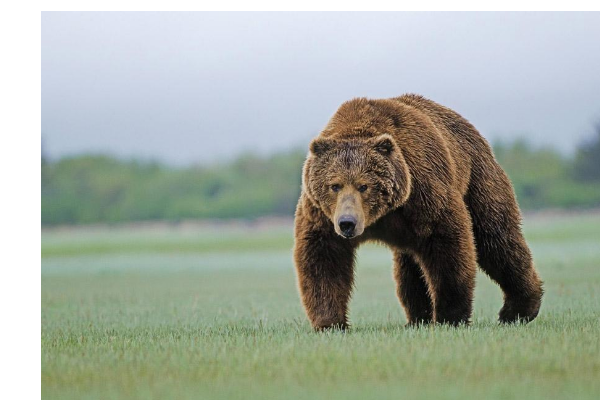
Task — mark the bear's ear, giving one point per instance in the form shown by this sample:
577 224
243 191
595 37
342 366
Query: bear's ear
320 146
384 144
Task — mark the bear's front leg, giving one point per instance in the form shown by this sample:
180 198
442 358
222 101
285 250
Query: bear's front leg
450 264
325 269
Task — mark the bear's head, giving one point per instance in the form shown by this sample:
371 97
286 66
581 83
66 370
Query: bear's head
356 181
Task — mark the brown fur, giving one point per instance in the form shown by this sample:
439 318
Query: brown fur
416 176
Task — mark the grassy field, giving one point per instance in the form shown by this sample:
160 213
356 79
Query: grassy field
211 311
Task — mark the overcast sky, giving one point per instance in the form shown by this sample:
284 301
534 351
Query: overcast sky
195 87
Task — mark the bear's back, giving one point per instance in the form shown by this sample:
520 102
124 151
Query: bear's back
469 150
453 126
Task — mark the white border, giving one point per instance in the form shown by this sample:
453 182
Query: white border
312 5
20 129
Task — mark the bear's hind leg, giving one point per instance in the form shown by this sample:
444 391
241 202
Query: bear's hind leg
502 251
411 289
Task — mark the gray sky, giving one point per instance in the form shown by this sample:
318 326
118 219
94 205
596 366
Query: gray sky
196 87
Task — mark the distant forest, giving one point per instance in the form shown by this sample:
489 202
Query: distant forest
95 188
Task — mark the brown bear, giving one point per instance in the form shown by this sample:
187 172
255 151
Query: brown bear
417 177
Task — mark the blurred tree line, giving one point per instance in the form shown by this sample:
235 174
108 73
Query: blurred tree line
89 189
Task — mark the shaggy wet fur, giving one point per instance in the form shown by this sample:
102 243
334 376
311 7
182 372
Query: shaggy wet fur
419 178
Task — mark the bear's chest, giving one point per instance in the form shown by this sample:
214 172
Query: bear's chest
395 229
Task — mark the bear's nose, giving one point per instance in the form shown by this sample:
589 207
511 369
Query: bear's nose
347 224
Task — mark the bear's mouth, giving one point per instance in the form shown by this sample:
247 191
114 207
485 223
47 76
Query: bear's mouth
348 236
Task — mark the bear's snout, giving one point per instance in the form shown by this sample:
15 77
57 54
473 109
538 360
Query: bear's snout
349 218
347 224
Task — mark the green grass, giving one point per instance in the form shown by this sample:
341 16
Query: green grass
213 312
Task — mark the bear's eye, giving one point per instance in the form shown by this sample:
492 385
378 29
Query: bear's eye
362 189
336 188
